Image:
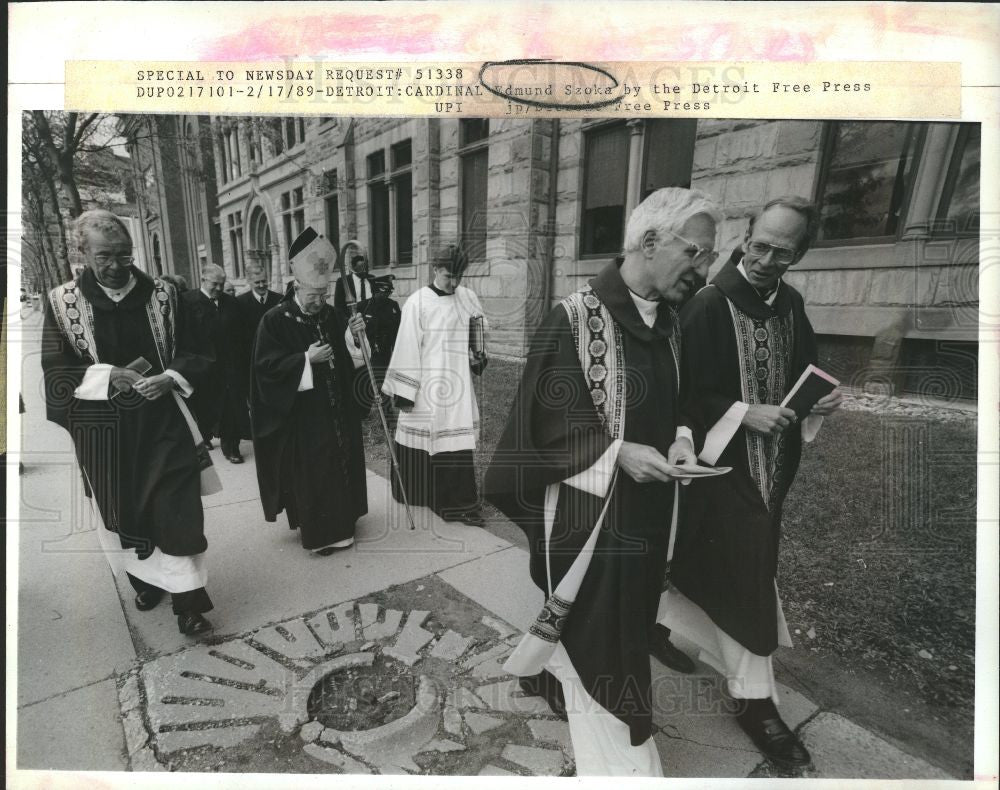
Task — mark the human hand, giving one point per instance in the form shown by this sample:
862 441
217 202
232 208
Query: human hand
155 386
478 361
768 419
643 463
828 404
319 352
123 379
681 453
356 324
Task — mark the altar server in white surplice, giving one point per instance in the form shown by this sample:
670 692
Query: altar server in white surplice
431 380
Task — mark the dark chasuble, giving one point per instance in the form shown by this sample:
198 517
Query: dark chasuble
308 445
739 348
596 372
137 455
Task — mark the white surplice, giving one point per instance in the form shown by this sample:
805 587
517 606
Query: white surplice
430 367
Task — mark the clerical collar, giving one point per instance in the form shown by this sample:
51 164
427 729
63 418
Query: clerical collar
117 294
438 291
767 296
647 307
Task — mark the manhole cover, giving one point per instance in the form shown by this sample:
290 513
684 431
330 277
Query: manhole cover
365 697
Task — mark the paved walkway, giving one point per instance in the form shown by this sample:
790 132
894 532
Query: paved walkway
425 618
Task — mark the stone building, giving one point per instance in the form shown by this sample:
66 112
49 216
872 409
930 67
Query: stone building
891 284
173 174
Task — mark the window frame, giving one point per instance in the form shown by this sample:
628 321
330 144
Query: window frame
235 227
287 210
589 127
939 226
822 177
388 178
466 150
395 175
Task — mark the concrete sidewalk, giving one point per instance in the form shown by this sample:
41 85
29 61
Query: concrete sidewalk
102 686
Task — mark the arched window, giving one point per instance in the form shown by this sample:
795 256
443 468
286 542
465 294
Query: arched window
260 240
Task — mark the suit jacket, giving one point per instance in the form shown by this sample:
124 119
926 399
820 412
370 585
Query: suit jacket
340 297
252 311
220 334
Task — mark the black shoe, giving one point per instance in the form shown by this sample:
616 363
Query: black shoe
664 651
148 599
234 458
545 685
192 624
472 517
209 445
775 740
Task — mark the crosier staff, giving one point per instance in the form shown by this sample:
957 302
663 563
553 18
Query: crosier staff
352 305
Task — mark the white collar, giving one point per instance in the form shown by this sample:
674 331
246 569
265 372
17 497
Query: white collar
771 297
116 295
210 298
646 307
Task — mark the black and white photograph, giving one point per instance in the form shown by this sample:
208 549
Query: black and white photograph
508 447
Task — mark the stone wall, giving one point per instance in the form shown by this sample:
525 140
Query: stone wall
743 164
535 171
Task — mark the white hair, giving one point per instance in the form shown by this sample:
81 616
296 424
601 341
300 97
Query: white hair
98 220
212 269
665 211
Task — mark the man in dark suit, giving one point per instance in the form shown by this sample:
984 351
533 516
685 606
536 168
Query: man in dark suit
382 316
217 324
254 303
360 284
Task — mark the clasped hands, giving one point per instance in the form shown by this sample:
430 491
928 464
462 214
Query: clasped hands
646 464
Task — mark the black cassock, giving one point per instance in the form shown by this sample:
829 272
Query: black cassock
308 447
138 455
726 554
220 406
554 432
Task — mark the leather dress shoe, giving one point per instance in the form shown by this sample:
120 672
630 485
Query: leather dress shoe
234 458
192 624
472 517
209 445
775 740
546 686
148 599
664 651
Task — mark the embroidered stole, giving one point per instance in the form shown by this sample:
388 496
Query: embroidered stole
764 349
75 318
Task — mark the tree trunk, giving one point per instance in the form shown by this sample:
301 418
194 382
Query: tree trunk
62 259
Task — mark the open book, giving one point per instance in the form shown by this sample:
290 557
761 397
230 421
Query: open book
812 385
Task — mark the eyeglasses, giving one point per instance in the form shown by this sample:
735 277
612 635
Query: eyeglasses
123 260
702 254
780 255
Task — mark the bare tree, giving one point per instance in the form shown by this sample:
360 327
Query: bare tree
61 147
